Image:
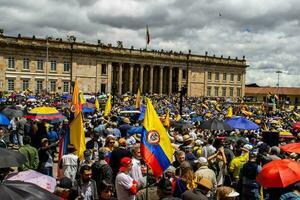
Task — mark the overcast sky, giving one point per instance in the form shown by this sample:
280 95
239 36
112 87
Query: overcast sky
265 31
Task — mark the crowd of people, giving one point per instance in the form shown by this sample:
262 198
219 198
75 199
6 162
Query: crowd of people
208 164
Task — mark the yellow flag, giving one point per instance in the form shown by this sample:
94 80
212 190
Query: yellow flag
138 99
178 117
229 112
296 114
97 106
125 99
81 98
107 106
167 120
77 137
76 107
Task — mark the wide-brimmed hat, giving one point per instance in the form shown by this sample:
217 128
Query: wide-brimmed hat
126 120
125 163
204 182
187 138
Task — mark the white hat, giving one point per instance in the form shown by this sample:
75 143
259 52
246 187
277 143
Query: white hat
233 194
249 147
201 160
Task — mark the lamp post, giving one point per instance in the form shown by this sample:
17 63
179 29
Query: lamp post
72 40
47 60
278 73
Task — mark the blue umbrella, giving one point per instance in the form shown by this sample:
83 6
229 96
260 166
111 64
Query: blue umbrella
66 96
88 110
241 123
4 120
3 99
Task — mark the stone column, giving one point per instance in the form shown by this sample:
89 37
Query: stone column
109 77
161 73
130 78
179 78
141 78
120 79
170 79
151 80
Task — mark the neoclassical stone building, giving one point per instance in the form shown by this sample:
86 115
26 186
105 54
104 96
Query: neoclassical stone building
51 64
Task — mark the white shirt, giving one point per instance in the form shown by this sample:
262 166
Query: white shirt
123 184
136 172
70 165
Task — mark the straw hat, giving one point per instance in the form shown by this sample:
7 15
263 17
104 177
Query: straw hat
204 182
126 120
187 138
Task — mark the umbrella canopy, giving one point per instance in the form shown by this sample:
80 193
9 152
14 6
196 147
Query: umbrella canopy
215 124
279 173
88 110
291 148
44 113
4 120
241 123
10 158
11 113
286 134
15 190
31 176
296 126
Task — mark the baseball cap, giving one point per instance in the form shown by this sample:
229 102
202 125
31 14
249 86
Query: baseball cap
202 161
125 163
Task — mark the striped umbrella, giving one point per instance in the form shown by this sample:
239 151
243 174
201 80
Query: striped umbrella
48 113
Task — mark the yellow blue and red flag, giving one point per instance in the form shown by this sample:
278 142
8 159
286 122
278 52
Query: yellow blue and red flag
156 147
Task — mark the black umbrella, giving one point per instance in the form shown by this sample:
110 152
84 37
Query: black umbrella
10 158
11 113
15 190
215 124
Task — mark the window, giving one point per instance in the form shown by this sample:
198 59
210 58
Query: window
231 92
67 66
26 63
103 69
224 77
66 86
103 88
238 91
53 65
224 91
183 74
216 91
25 84
52 86
208 91
231 77
239 78
40 65
11 63
39 86
217 76
209 76
10 84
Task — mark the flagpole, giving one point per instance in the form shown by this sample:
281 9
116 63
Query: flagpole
147 180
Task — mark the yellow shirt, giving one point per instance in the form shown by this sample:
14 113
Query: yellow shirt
237 163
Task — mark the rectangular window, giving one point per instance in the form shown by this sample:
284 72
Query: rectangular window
231 77
52 86
209 76
40 65
217 76
208 91
238 92
53 65
67 66
183 74
25 84
39 86
224 91
103 69
103 88
231 92
66 86
239 78
224 77
216 91
10 84
11 63
26 63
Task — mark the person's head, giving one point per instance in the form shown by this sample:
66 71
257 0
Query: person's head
180 156
136 151
170 172
122 142
26 140
1 132
275 150
64 188
296 187
126 164
226 193
110 142
95 136
102 153
164 188
87 155
86 173
71 148
205 185
45 142
201 161
106 191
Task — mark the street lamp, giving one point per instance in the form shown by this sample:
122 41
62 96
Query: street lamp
278 73
47 60
72 40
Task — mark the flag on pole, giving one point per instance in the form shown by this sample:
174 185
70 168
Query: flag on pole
147 35
76 106
229 112
107 106
81 99
97 106
156 147
167 120
77 137
178 117
138 99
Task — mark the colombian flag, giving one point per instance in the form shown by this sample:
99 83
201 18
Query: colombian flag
156 148
77 137
76 105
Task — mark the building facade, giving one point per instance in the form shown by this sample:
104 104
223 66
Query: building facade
52 64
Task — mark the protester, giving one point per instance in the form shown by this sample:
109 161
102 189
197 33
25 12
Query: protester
86 186
2 141
200 192
45 157
30 153
69 163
